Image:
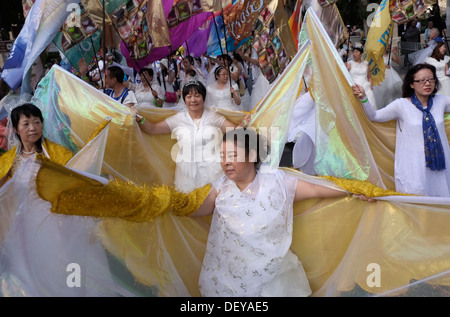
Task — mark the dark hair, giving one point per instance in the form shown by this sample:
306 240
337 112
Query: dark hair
407 91
360 49
196 86
190 59
436 54
191 72
116 72
217 70
146 70
248 139
28 110
226 57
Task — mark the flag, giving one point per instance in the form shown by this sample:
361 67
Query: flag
377 40
295 21
41 25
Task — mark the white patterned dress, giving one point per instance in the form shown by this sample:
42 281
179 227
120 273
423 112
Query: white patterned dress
248 253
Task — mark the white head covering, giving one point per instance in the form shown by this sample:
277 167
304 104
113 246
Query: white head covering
165 62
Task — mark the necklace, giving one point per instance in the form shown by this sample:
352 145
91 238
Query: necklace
28 153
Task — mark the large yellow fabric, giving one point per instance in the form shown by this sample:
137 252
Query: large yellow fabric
74 194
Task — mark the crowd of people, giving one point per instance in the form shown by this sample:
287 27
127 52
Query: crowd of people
248 248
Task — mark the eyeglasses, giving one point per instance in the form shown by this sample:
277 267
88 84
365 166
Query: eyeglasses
423 81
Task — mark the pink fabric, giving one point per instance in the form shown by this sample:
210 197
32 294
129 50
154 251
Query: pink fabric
178 35
3 138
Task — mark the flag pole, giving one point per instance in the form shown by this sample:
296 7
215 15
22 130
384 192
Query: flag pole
226 50
96 61
103 46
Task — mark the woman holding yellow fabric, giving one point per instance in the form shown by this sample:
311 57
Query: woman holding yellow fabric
198 132
248 250
26 140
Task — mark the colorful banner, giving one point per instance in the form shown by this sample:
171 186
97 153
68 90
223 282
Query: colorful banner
241 17
377 40
295 21
43 21
404 11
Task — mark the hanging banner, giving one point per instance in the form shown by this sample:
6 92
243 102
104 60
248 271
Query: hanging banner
377 40
404 11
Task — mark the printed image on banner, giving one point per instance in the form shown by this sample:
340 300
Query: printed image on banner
131 23
404 11
183 10
267 42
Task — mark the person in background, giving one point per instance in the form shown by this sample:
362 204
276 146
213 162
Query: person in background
220 94
116 89
426 34
148 93
360 72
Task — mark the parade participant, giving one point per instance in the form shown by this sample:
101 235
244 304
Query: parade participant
26 140
198 132
220 94
148 93
420 125
114 81
248 249
440 60
360 72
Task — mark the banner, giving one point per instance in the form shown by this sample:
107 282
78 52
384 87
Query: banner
43 21
377 40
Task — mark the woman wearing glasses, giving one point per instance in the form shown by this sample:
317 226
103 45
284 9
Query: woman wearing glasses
422 152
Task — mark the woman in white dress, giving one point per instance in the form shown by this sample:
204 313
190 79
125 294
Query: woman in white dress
439 60
391 87
359 70
148 93
422 152
198 132
248 250
166 79
220 94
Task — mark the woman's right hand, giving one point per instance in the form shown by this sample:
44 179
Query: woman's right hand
358 91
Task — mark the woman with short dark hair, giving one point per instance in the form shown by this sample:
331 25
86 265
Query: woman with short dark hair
198 132
26 140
